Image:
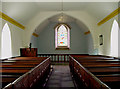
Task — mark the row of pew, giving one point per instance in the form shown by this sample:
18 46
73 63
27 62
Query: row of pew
96 72
24 72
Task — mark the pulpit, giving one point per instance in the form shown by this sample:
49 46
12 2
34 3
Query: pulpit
28 52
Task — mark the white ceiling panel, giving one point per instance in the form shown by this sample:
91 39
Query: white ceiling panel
24 11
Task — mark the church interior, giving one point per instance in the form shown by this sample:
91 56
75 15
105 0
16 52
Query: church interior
72 44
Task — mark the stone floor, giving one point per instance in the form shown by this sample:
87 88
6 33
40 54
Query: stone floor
60 78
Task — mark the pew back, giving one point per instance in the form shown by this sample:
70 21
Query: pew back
90 81
30 77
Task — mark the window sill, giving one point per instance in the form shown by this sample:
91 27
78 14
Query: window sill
62 49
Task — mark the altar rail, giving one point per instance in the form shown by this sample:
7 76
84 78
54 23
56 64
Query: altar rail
56 57
64 57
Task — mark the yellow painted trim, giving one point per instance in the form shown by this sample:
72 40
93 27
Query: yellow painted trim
9 19
87 33
111 15
34 34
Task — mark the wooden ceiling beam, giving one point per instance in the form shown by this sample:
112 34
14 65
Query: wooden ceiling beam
111 15
9 19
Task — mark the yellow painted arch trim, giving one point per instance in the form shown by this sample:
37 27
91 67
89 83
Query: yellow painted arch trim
9 19
34 34
111 15
87 33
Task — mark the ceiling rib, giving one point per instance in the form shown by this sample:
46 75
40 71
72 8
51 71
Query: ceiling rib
111 15
9 19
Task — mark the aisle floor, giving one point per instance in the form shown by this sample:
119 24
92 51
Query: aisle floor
60 78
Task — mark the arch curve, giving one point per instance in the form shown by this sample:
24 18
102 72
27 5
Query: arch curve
53 18
47 19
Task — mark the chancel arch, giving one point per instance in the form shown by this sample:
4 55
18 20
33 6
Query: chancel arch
76 30
46 16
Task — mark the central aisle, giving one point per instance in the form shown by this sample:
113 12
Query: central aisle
60 78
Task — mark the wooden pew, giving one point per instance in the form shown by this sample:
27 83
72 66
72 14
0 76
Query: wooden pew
109 77
29 58
87 78
31 78
13 69
16 66
11 61
100 69
92 60
40 70
6 69
108 69
35 60
19 60
92 57
102 65
20 63
89 58
29 64
6 79
105 70
9 86
99 62
112 80
26 59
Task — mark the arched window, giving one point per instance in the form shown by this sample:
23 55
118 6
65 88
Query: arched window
114 39
62 36
6 51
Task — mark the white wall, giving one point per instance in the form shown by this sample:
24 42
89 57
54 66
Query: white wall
34 41
33 23
16 37
21 38
105 30
91 49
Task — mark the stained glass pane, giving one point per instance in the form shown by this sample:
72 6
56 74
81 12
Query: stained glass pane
62 36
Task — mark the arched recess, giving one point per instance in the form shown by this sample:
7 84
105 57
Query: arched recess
44 16
115 32
40 27
6 48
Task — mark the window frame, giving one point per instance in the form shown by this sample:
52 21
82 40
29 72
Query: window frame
6 37
115 31
68 36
